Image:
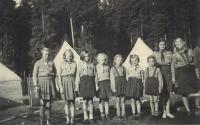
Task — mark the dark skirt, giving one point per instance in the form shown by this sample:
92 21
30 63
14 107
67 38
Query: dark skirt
104 89
186 80
68 83
46 88
120 85
152 86
134 88
87 86
167 83
167 78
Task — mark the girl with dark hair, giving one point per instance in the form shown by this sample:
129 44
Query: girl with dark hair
86 81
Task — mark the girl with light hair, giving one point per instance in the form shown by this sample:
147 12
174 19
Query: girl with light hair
103 84
118 82
67 84
134 88
183 71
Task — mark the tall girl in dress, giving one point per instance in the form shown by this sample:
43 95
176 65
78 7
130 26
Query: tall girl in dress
183 71
67 85
153 84
43 77
118 82
134 88
86 81
103 84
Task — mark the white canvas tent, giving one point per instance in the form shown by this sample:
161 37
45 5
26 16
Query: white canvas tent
10 85
142 50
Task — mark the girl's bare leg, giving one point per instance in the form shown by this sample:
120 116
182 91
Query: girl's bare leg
118 106
123 106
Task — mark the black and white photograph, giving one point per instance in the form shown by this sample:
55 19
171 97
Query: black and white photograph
99 62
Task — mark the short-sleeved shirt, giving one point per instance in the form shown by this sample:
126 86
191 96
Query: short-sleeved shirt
167 57
102 72
180 59
118 71
86 69
68 68
134 71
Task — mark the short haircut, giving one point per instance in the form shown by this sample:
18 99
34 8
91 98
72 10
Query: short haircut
115 58
68 51
102 56
151 57
134 56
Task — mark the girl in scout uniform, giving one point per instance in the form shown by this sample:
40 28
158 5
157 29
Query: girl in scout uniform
67 84
153 84
183 71
43 78
118 82
86 81
197 69
134 87
103 84
164 59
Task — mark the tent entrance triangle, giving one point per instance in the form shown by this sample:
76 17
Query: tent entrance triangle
142 50
59 57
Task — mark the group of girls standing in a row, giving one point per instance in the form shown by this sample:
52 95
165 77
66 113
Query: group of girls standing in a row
156 81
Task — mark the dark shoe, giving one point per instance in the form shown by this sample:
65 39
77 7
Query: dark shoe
67 123
48 122
107 117
133 117
138 115
72 122
41 122
91 121
86 121
103 118
117 118
123 118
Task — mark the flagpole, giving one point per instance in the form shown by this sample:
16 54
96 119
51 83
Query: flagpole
43 17
141 24
72 31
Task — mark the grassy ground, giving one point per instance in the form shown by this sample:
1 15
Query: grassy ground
58 116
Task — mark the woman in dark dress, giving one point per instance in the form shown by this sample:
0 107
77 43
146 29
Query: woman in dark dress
164 59
183 71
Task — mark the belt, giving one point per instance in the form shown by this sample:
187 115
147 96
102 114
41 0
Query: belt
69 75
165 65
45 76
